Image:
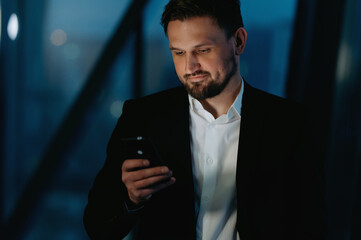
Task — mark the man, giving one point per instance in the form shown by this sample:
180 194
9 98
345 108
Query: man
233 165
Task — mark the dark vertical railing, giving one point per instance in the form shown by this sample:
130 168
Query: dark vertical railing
53 157
299 66
344 152
2 144
139 54
2 120
325 76
9 102
19 90
356 220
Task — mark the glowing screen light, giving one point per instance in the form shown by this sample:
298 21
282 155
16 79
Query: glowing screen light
13 26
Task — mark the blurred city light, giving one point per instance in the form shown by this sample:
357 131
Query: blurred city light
116 108
13 26
58 37
344 64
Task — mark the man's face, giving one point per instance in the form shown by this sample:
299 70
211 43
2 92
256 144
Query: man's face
204 59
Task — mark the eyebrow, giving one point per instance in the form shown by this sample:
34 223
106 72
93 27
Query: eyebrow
173 48
196 46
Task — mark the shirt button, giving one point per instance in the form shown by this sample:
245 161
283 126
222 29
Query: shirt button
205 199
209 161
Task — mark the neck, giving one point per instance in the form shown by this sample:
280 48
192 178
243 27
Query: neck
221 103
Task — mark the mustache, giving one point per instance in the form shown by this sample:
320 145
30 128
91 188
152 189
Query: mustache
199 72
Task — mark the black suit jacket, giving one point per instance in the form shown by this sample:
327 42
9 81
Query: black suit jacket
279 184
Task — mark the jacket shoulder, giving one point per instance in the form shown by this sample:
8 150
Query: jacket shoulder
271 104
160 100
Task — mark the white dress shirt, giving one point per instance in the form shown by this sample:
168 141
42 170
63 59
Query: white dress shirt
214 146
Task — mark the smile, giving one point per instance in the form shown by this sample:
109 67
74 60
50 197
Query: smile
197 78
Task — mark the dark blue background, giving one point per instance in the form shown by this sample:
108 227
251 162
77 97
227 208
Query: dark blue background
59 43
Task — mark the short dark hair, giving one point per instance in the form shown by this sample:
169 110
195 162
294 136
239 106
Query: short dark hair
227 13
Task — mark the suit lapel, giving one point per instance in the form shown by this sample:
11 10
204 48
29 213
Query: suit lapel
247 160
180 137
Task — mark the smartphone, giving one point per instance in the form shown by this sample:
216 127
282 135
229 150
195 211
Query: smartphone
141 148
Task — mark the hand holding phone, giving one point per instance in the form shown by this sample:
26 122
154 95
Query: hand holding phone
143 172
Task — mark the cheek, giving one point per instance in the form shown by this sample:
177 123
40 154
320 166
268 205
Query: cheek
179 67
214 66
226 63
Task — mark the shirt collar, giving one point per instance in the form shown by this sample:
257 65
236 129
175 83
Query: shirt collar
234 110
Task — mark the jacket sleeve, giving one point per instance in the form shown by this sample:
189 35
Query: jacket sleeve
106 215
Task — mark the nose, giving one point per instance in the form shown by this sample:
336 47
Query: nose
192 64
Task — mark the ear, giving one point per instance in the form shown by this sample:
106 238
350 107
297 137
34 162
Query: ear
240 37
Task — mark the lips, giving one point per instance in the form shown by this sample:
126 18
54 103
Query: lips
197 78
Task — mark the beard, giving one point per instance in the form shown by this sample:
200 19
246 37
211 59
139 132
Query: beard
209 87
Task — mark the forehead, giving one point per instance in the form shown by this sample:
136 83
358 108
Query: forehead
194 31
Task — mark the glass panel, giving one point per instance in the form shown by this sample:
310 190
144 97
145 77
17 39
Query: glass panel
343 163
270 28
47 65
60 214
159 74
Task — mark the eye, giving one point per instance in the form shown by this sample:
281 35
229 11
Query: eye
178 53
203 51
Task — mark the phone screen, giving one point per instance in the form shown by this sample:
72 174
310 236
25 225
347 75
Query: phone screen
141 148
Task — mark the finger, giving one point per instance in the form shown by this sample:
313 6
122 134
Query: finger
149 182
133 164
141 174
144 194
